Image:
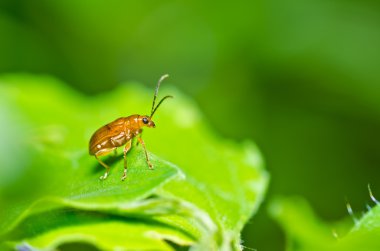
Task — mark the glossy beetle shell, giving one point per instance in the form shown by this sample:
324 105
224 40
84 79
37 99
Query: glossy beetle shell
116 134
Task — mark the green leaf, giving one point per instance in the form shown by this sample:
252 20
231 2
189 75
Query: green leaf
217 188
306 232
68 225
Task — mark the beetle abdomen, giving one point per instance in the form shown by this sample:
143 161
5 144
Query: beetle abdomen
109 137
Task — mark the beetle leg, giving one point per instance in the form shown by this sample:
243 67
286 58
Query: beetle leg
103 177
146 153
140 135
126 149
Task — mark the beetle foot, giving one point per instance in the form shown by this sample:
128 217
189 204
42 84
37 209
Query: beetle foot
103 177
124 176
150 166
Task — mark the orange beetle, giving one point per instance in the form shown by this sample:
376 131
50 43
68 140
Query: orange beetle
121 131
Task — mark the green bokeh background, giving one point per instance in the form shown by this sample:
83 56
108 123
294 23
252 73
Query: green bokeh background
300 78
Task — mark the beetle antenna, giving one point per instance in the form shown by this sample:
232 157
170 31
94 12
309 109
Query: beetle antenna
155 93
159 103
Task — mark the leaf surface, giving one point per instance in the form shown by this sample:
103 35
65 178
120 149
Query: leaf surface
217 188
306 232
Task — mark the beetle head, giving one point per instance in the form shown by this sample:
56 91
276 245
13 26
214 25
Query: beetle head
146 121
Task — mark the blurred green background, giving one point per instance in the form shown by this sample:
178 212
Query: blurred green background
300 78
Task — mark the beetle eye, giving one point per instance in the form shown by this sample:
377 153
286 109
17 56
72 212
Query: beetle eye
145 120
